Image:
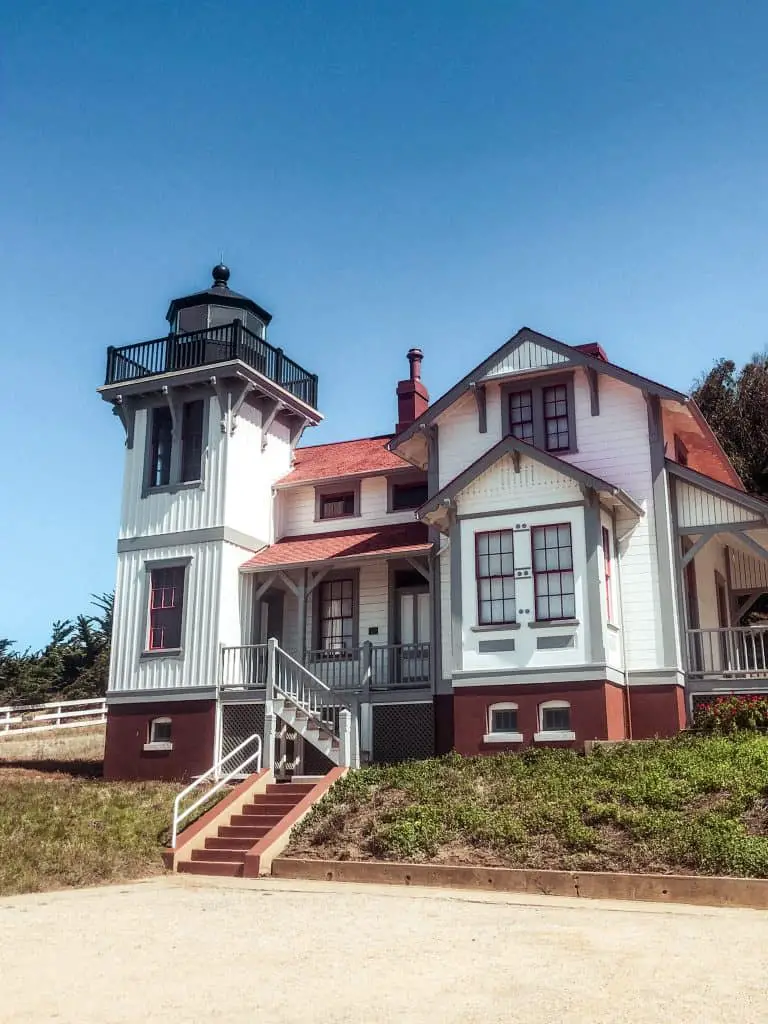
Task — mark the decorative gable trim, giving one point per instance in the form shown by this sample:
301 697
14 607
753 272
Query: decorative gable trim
731 499
531 338
515 448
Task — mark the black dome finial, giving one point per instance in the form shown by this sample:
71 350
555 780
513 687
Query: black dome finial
220 275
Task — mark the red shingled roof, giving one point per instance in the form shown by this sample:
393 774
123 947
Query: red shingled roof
401 539
342 458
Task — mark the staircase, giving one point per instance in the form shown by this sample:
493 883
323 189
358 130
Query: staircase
225 853
307 705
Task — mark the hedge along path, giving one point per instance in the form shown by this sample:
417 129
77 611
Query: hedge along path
692 805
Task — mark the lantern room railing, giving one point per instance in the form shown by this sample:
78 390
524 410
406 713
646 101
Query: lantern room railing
213 345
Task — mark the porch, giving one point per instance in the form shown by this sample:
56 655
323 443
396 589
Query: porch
353 607
722 577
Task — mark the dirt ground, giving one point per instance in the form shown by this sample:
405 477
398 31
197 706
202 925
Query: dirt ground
192 950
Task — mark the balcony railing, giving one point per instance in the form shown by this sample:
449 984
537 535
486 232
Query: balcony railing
213 345
732 652
373 666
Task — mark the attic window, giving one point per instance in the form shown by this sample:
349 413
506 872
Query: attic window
335 506
542 413
408 495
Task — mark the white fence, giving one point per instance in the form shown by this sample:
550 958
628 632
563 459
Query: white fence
63 714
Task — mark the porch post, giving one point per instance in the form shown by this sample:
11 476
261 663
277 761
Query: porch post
301 597
270 719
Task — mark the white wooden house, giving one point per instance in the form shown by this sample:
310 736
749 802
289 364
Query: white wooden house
556 550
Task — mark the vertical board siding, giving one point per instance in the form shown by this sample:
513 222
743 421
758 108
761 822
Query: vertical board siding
696 507
192 508
747 571
252 471
199 664
707 562
528 356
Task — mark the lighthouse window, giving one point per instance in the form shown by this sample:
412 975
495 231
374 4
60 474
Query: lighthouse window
162 441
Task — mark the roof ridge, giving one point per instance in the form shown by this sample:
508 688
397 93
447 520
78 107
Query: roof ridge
350 440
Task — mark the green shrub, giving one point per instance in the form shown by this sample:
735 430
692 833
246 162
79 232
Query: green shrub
728 714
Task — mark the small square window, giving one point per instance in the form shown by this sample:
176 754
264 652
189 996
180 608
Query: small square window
555 719
504 720
161 730
334 506
410 495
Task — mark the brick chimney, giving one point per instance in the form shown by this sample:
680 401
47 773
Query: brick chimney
412 396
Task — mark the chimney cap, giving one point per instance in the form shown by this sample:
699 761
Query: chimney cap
415 356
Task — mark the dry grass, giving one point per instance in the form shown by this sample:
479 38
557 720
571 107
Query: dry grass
690 805
86 744
62 825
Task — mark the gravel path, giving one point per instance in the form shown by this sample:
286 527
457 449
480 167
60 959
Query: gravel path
279 952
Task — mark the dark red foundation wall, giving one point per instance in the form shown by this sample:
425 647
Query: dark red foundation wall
443 723
656 711
596 713
192 734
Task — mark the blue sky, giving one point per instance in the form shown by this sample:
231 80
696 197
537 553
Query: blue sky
379 175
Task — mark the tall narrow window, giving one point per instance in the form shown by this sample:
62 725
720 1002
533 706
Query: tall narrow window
495 572
607 572
162 439
336 614
192 440
521 415
556 418
166 599
553 573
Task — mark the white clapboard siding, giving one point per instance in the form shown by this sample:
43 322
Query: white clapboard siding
615 447
459 439
199 664
697 507
297 510
526 357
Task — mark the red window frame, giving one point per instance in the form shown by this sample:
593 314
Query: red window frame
522 428
607 572
559 571
507 579
556 396
166 604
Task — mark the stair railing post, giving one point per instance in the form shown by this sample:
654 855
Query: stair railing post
270 719
345 738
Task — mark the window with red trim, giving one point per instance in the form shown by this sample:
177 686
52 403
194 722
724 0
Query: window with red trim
166 599
607 571
556 418
495 571
553 578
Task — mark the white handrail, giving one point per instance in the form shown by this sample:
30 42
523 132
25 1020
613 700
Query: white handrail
305 671
214 771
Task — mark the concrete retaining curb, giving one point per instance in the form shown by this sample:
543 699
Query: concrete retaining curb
700 890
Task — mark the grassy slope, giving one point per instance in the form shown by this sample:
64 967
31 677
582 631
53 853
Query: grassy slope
59 830
695 805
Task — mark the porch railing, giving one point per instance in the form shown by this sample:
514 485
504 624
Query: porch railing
733 652
374 666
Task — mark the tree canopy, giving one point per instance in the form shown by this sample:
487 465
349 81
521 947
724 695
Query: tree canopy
735 404
73 665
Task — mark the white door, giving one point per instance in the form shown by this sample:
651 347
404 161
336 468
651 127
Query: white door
414 637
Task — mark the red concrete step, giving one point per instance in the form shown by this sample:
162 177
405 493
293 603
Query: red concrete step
286 796
232 843
284 807
255 819
224 856
290 787
229 869
253 832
